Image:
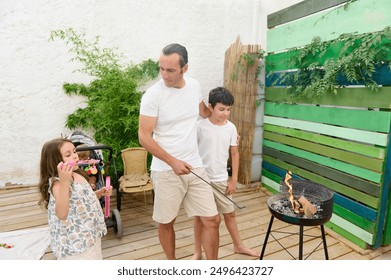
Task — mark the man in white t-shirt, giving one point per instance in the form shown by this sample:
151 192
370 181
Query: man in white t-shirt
167 129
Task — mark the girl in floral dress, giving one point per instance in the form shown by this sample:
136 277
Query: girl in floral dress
75 216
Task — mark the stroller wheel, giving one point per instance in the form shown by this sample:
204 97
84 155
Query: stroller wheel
117 223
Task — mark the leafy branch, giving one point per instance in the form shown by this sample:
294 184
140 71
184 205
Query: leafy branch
249 59
112 97
318 69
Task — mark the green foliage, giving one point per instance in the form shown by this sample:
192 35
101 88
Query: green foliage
112 97
248 59
357 60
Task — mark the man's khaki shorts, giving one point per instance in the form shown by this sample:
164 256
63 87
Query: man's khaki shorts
172 191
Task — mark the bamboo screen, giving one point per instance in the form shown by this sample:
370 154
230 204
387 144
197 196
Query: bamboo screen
240 78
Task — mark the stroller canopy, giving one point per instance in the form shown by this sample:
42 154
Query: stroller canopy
79 137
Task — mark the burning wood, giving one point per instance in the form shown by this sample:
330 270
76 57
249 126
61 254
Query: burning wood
302 205
308 208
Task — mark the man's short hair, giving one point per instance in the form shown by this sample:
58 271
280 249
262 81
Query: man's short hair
180 50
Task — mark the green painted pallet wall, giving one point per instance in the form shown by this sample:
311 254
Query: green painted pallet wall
352 97
340 141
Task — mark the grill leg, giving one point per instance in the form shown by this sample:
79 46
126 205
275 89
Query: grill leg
326 254
301 243
266 237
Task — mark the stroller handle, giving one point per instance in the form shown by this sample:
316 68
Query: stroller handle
101 147
98 147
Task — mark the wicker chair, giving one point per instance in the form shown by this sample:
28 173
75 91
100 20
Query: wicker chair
136 178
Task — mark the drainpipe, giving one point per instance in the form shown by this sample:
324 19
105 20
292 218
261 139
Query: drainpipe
256 160
256 24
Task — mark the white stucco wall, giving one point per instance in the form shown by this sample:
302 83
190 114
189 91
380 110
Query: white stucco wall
33 107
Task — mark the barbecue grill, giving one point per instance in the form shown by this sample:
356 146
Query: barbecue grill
280 207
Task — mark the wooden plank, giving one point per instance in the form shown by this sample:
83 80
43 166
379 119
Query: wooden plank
377 121
362 149
345 156
300 10
351 257
336 251
346 234
353 229
273 169
354 218
275 186
335 186
330 173
351 97
385 256
356 207
361 17
336 164
341 132
272 176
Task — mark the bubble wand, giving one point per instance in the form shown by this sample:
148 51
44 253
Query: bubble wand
107 198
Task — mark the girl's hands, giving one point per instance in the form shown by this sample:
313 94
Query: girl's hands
65 170
104 192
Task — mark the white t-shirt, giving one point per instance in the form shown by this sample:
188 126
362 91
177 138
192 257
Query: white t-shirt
214 142
177 111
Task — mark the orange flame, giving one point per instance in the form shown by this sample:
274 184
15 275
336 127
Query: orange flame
287 178
295 204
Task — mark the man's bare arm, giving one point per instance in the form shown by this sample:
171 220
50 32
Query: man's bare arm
204 110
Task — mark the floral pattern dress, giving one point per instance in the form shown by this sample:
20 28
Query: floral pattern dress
84 224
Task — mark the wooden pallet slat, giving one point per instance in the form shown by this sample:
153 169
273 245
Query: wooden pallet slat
377 121
353 229
336 131
336 164
359 148
347 234
354 218
359 97
361 17
300 10
276 62
381 76
319 149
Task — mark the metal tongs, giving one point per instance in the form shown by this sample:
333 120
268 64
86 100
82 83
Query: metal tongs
240 207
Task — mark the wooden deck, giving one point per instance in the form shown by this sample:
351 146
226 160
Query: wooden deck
19 210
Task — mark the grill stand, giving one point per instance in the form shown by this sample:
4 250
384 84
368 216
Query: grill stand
301 237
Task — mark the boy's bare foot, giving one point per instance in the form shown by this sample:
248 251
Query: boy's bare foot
246 251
